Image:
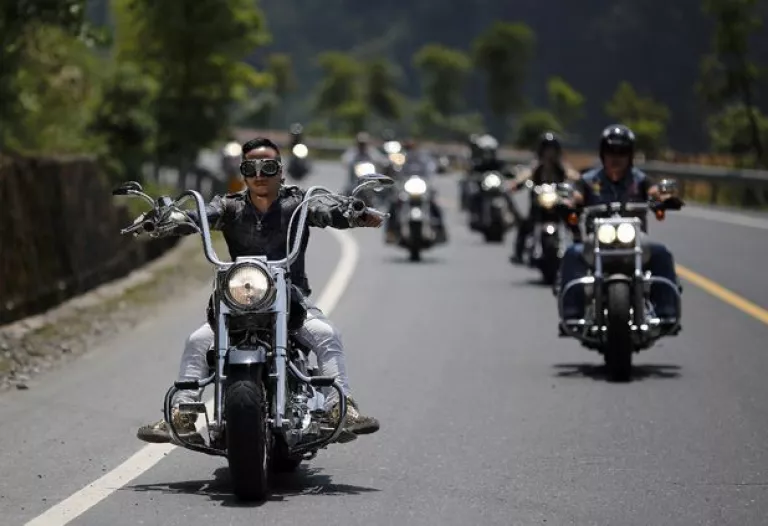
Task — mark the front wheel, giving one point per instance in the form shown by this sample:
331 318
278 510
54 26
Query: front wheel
618 352
247 436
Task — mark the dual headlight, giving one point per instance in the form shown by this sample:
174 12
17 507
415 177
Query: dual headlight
415 186
624 233
248 287
300 151
491 181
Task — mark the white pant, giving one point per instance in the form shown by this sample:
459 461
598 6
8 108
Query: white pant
317 334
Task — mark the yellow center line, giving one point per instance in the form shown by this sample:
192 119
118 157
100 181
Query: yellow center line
723 294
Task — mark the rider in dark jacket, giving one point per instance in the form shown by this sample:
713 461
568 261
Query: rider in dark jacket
617 180
254 223
486 160
549 168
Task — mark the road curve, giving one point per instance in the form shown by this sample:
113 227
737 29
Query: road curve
487 416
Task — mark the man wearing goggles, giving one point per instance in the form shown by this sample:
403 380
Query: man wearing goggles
254 223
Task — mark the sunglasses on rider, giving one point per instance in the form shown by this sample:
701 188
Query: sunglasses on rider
266 167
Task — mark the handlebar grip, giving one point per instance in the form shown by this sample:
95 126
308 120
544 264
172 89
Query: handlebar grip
148 226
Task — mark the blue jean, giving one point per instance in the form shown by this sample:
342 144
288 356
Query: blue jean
661 264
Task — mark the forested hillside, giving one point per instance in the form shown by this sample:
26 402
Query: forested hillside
656 45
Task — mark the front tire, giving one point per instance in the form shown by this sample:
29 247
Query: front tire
618 352
247 436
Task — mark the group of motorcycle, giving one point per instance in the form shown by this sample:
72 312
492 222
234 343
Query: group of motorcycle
414 224
619 318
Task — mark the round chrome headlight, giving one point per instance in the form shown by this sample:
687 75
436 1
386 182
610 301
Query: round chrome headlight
491 181
606 234
300 151
626 233
547 199
363 169
248 286
415 186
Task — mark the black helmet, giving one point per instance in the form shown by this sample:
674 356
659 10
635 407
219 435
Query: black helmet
548 140
617 138
388 134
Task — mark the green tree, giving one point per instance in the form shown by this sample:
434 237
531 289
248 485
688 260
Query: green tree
444 73
647 118
504 52
125 120
533 124
56 86
194 49
22 25
566 103
727 73
280 67
382 96
731 132
340 96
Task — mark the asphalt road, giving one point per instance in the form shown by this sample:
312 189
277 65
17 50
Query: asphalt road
487 416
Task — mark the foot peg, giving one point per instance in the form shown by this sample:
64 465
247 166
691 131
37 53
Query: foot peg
192 407
187 385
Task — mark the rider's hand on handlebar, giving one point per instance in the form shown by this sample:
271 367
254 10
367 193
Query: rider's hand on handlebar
370 220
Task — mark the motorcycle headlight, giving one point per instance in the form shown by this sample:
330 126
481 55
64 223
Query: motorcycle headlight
606 234
491 181
397 159
547 199
363 169
392 147
626 233
300 151
415 186
248 287
233 149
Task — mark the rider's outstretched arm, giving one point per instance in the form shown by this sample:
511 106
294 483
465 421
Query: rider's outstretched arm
215 211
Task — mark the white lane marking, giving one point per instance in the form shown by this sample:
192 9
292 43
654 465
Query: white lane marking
724 217
72 507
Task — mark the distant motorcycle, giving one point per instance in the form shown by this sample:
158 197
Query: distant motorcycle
495 216
619 318
415 230
299 165
550 237
359 169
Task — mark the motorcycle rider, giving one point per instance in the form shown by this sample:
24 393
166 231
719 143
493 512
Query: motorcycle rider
486 159
297 134
548 168
618 180
427 167
362 151
254 222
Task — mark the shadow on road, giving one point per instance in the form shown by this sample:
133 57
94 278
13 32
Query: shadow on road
305 481
532 282
599 372
404 260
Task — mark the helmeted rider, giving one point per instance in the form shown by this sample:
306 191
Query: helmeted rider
254 223
618 180
548 168
426 166
485 160
362 150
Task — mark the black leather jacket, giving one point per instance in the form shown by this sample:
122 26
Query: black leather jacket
248 232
